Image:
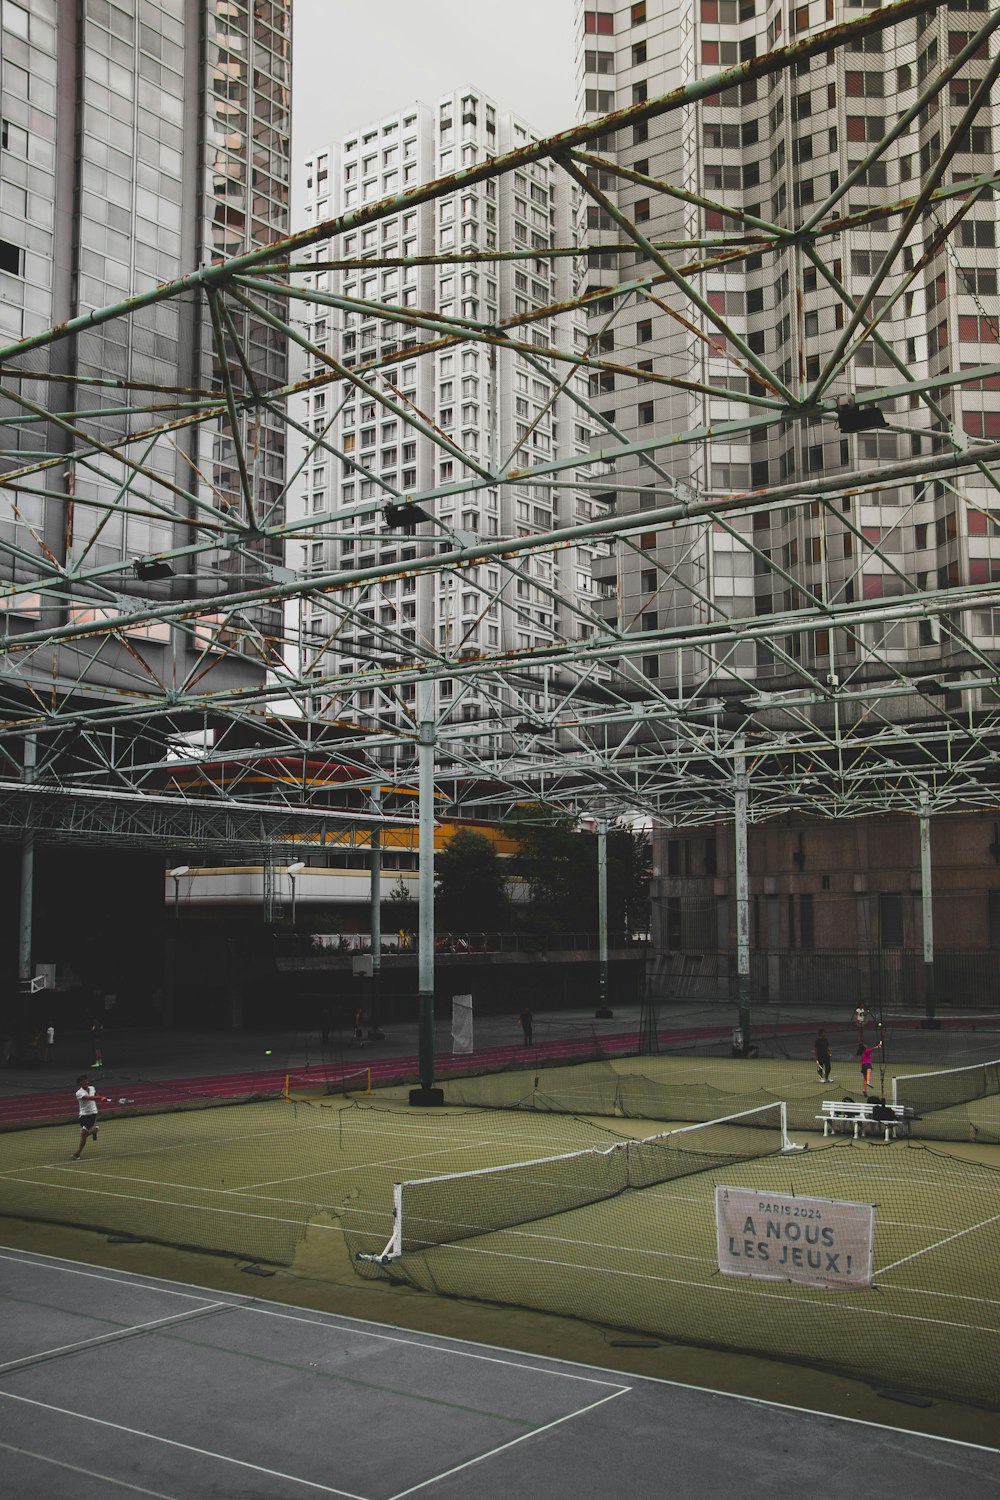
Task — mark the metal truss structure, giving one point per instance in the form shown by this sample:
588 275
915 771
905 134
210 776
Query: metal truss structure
881 736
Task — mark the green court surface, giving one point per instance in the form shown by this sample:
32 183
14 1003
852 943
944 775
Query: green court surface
308 1184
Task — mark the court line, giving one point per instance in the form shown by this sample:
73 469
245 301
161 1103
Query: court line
719 1284
341 1320
337 1322
959 1234
59 1463
153 1437
48 1263
443 1348
106 1338
504 1447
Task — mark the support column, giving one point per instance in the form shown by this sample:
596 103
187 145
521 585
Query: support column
25 929
742 897
375 902
602 917
426 1093
930 1021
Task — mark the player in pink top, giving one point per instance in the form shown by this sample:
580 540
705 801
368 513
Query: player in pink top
866 1067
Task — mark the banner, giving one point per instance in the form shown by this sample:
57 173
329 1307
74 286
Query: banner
814 1241
461 1023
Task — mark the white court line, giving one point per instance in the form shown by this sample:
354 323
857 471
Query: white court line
395 1338
336 1322
123 1484
105 1338
819 1303
961 1233
46 1263
152 1437
344 1321
504 1447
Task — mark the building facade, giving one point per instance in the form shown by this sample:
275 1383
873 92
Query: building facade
778 150
405 421
140 140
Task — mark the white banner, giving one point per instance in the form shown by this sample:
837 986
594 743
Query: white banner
814 1241
461 1023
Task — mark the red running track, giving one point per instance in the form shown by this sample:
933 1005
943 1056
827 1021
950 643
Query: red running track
52 1106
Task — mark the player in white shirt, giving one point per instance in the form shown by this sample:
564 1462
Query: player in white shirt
86 1098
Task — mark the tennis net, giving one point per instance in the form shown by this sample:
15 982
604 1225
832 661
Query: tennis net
460 1205
959 1099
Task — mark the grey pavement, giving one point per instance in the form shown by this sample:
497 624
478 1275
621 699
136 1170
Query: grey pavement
117 1383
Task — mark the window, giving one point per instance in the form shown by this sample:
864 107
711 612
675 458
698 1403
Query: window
595 22
644 331
890 920
645 413
639 13
10 258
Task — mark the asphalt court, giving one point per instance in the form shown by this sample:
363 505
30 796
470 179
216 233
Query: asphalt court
128 1385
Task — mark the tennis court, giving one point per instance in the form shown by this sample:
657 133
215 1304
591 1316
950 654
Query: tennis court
117 1384
310 1184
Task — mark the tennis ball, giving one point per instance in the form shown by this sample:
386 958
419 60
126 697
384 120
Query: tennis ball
267 1052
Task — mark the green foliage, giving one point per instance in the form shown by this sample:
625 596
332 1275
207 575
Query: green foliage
470 885
401 910
559 866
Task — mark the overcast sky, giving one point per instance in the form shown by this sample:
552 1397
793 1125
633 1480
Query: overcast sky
355 62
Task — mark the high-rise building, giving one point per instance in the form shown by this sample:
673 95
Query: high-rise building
140 139
813 157
404 422
779 149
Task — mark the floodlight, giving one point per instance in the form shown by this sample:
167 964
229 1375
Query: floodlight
150 571
404 515
854 418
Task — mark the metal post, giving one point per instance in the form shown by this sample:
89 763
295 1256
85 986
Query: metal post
602 917
930 1021
292 879
375 901
426 1093
742 897
26 910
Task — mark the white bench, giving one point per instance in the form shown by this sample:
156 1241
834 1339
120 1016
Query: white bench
859 1115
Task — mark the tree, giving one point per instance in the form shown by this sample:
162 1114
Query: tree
629 872
559 865
470 885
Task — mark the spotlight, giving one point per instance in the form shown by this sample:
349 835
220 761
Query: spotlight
854 418
150 571
404 516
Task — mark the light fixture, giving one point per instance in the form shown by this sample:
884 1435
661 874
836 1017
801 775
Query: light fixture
291 871
854 418
180 870
404 515
150 571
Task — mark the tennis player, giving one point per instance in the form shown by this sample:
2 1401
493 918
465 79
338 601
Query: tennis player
86 1098
866 1067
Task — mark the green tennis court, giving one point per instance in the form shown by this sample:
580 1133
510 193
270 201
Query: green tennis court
310 1183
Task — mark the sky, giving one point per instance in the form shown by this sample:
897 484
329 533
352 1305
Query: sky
356 62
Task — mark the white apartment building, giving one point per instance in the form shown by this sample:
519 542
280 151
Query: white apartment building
474 408
777 148
138 140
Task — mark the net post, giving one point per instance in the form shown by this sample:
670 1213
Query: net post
287 1076
369 1088
395 1245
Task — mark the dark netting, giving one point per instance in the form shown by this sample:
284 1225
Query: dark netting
438 1210
957 1104
647 1262
442 1209
583 1089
